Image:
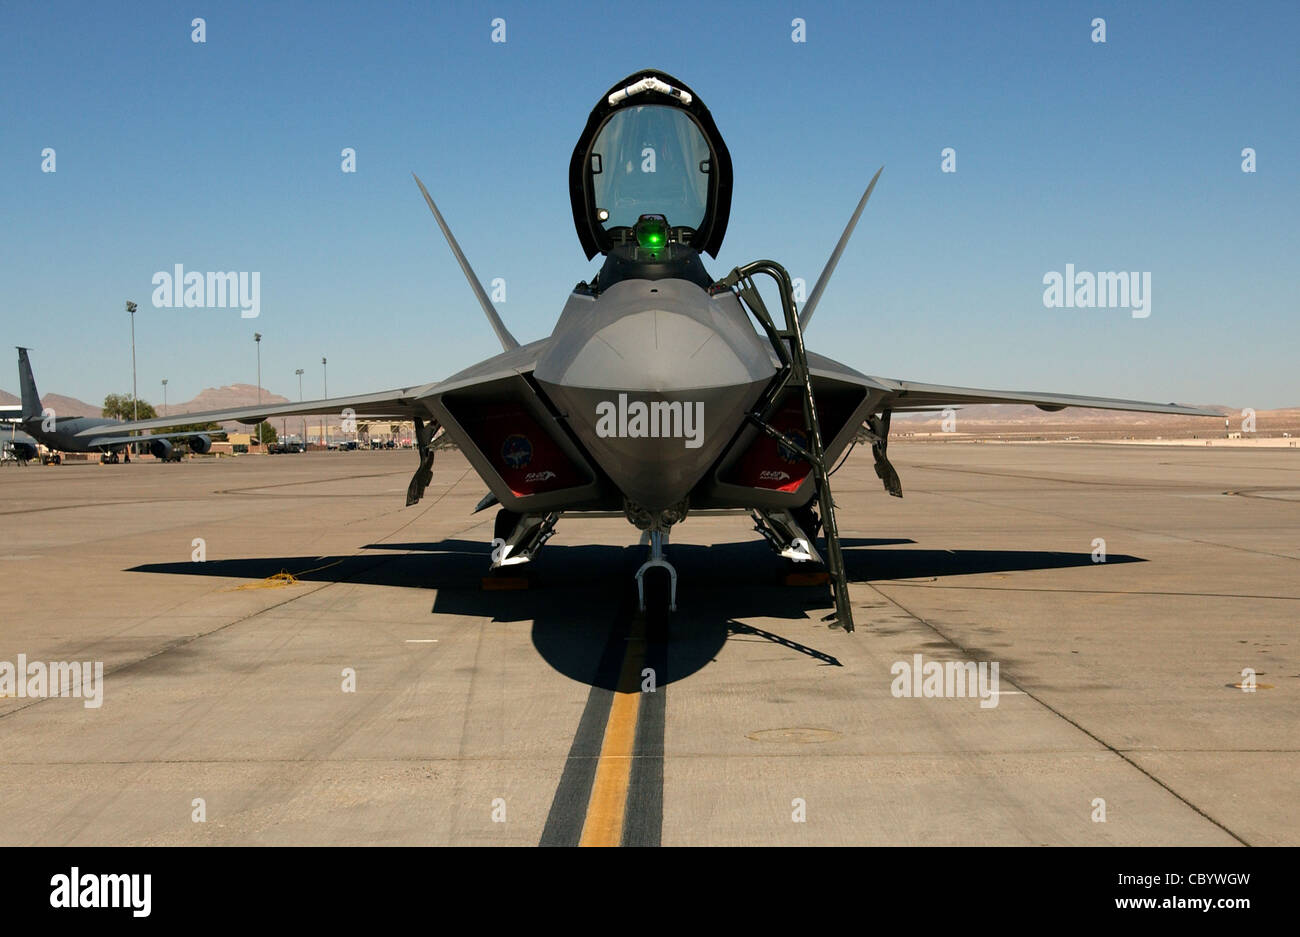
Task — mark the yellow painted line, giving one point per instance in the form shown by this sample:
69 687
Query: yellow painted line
604 823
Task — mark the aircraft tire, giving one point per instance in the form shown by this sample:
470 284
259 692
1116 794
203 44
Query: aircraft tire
658 593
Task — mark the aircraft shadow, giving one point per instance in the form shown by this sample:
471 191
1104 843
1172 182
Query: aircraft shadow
580 600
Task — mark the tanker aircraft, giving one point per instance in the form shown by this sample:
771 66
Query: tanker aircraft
85 433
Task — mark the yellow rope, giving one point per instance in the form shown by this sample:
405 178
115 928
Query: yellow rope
282 578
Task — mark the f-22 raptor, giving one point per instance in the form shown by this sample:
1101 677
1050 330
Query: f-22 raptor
662 390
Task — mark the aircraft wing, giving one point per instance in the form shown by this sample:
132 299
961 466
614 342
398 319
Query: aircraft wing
899 395
915 396
128 440
400 404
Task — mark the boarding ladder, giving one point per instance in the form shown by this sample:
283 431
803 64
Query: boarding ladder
789 348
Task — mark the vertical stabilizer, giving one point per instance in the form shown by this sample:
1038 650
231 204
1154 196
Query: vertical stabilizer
809 307
31 399
508 341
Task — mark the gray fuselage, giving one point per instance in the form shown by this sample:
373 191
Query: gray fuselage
654 377
62 437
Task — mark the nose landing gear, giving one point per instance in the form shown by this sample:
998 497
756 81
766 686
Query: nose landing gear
657 540
654 526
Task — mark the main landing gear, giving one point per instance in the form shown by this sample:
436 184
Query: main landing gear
518 538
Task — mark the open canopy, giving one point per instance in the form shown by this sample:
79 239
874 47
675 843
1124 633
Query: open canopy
650 147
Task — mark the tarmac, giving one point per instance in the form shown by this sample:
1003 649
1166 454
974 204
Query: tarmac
388 695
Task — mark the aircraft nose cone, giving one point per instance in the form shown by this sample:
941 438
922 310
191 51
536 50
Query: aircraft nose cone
656 350
655 394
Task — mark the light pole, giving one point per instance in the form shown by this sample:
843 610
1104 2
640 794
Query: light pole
164 382
135 403
304 419
324 426
257 339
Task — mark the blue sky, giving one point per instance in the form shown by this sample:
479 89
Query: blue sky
226 156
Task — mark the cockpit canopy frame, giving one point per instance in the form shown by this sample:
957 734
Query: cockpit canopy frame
591 231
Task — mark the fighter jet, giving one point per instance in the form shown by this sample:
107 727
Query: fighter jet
662 390
60 433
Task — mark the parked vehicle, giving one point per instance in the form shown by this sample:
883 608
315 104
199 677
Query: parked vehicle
286 444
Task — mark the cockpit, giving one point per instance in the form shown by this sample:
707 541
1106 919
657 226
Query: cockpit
650 177
650 160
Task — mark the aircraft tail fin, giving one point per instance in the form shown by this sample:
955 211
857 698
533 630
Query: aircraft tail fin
31 399
805 316
508 341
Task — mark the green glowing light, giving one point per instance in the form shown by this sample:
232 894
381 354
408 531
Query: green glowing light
651 231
